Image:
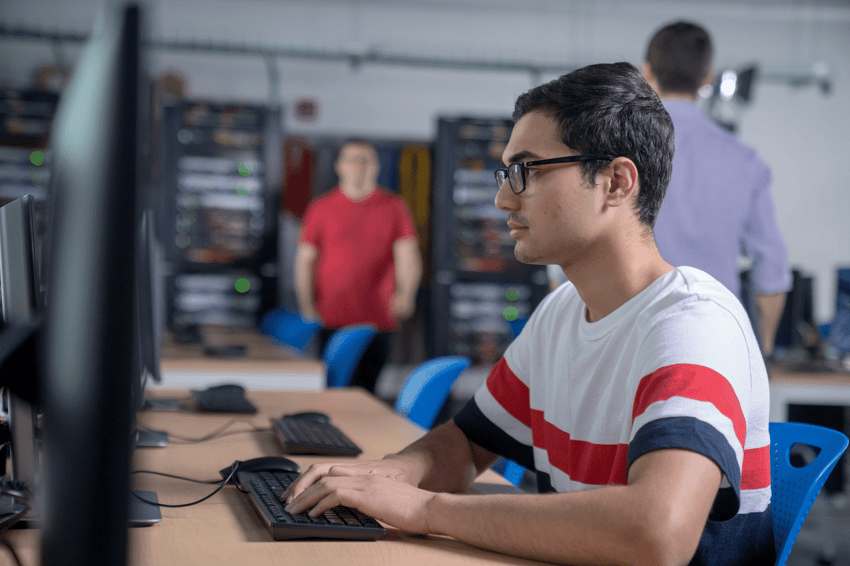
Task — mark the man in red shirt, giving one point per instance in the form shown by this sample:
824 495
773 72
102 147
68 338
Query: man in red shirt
358 259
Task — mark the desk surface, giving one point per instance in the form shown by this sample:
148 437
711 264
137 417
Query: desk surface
226 530
266 364
818 388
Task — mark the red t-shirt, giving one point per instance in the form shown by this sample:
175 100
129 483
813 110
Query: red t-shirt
354 278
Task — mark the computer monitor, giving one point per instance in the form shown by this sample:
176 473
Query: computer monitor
91 354
796 332
20 304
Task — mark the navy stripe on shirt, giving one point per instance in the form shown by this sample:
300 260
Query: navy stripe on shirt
695 435
481 430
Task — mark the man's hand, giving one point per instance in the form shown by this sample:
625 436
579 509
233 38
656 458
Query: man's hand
391 501
389 468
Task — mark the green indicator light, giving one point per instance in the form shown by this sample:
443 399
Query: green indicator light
242 285
244 170
512 294
511 313
37 158
242 192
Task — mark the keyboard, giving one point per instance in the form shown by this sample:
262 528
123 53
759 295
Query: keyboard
299 436
265 489
222 402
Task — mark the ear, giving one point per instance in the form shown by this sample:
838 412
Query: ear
623 182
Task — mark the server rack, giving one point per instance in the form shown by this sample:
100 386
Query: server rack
221 174
478 285
26 117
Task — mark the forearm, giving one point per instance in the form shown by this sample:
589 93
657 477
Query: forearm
770 311
304 288
440 461
407 279
600 526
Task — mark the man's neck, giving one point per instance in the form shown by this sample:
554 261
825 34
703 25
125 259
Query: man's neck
356 193
608 277
678 96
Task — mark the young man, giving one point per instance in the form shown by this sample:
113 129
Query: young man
718 205
636 390
358 260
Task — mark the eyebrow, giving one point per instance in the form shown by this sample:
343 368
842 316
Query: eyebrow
522 156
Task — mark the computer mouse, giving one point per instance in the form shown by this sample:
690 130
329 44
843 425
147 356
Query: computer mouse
265 463
226 351
232 388
309 416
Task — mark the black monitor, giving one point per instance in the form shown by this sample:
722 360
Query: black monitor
20 304
796 332
91 347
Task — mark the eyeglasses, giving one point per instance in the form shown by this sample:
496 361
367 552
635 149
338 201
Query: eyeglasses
515 172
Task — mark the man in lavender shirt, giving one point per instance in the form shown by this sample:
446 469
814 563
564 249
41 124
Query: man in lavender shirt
718 204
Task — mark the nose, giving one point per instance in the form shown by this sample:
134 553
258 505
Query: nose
505 198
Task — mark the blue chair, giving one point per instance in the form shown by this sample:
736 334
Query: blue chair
344 350
290 328
510 470
516 326
794 489
428 387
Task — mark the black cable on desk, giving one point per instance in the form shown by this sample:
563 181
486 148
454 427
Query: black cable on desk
219 488
216 433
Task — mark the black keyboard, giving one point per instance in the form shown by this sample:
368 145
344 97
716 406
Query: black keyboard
265 489
299 436
222 402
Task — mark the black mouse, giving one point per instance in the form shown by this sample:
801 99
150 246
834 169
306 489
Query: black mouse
232 388
311 416
266 463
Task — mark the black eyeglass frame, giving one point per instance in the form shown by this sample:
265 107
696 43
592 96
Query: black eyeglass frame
521 166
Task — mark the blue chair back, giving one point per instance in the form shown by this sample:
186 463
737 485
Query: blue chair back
795 489
289 328
516 326
428 387
344 350
510 470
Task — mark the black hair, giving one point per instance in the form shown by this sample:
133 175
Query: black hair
679 55
610 109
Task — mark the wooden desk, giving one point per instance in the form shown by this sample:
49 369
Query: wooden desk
225 530
800 387
266 365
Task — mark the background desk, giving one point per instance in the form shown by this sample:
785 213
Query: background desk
225 530
266 365
805 388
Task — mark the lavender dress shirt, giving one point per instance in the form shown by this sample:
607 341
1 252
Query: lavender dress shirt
718 206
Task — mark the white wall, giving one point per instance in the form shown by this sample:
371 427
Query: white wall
798 131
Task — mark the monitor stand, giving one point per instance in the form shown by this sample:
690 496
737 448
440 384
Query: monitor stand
140 514
151 439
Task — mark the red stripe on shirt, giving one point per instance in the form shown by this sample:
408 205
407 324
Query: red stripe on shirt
582 461
509 392
755 471
692 382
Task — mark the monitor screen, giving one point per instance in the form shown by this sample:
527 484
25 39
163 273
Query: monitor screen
91 342
20 305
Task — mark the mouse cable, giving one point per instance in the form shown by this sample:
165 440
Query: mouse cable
219 488
216 433
174 476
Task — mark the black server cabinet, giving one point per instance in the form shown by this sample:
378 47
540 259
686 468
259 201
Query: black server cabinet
221 175
26 118
478 285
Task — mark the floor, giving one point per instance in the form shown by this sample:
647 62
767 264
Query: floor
826 532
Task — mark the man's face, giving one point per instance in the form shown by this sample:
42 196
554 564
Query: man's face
553 220
357 166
